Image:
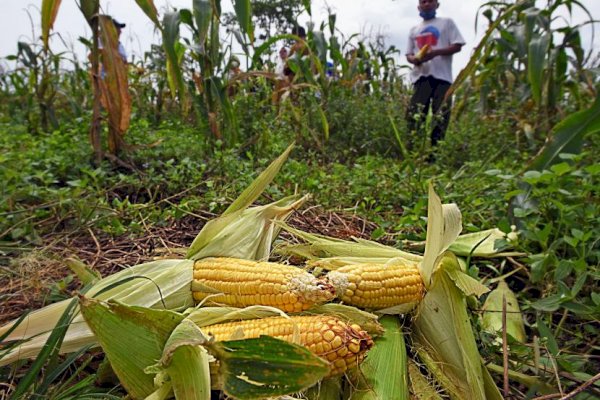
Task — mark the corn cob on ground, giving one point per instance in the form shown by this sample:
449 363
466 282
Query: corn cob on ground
378 286
343 345
241 283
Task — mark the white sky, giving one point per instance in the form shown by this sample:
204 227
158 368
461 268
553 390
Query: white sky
393 19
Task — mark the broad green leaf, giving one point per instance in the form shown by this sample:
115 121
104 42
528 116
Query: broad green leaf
266 367
89 8
488 243
384 373
133 338
243 12
567 136
444 338
170 33
49 11
492 313
536 64
149 9
202 15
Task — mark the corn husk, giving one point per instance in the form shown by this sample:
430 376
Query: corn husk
319 249
326 389
384 373
421 388
158 284
142 335
491 320
443 335
485 244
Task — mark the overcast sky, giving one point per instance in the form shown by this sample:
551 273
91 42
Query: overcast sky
393 19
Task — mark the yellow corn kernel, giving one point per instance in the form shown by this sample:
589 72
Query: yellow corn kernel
241 283
345 350
378 286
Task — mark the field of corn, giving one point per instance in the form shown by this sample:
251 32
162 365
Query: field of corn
176 231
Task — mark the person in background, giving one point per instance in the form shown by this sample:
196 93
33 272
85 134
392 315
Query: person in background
431 45
121 49
297 50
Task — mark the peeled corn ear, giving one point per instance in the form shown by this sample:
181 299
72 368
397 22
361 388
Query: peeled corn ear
343 345
378 286
242 283
424 50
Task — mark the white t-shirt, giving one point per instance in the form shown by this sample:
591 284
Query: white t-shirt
438 33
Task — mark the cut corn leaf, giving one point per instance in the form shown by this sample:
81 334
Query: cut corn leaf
384 374
319 246
157 284
142 335
492 313
367 321
266 367
420 387
488 243
444 338
186 362
531 382
491 390
444 223
246 234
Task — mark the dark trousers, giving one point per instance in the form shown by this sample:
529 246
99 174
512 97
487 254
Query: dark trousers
429 91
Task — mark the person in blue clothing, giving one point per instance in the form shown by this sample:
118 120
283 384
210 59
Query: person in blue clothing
439 39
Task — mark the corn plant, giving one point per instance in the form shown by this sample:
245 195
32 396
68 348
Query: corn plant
525 52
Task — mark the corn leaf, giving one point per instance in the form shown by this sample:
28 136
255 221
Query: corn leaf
202 10
158 284
443 227
89 8
243 12
266 367
384 373
149 9
492 313
444 338
246 233
536 64
170 34
142 335
49 11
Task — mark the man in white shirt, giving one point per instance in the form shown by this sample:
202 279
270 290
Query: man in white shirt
431 45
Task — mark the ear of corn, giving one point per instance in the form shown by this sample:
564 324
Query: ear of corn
343 346
378 286
242 283
421 53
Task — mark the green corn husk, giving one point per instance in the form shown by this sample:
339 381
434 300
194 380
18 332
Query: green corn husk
488 243
158 284
443 335
420 386
327 389
164 283
384 373
492 313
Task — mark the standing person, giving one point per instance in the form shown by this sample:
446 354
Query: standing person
430 48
